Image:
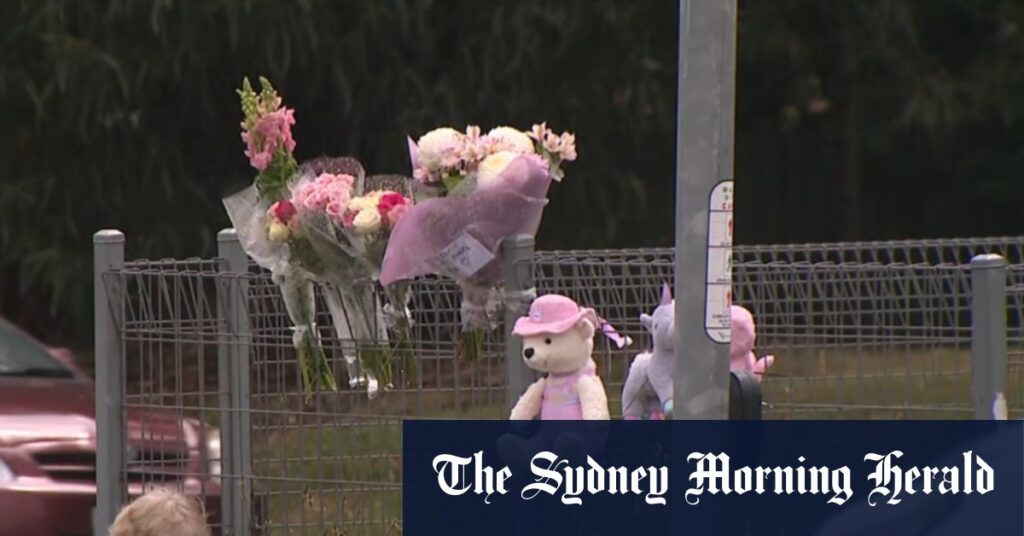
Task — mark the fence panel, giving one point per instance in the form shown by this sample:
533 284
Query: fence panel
1015 340
877 330
335 461
170 334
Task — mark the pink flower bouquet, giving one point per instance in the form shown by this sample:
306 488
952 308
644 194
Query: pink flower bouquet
265 222
348 227
317 224
476 189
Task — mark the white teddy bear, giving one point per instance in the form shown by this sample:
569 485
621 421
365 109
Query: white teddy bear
558 338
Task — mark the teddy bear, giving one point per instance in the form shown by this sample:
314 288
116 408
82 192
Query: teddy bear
741 351
647 392
558 339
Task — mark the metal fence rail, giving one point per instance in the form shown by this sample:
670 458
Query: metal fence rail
202 349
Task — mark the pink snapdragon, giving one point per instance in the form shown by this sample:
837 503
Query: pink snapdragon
271 130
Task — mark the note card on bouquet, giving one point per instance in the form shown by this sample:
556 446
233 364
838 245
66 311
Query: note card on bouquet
464 257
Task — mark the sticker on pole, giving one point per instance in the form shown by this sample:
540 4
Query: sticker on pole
464 257
718 291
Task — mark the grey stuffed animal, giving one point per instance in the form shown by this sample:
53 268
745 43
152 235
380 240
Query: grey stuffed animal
648 388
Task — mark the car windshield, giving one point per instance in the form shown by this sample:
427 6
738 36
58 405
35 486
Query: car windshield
22 356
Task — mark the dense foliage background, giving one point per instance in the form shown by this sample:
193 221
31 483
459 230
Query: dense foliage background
855 120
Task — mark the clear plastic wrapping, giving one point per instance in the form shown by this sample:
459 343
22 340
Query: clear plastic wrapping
350 258
294 274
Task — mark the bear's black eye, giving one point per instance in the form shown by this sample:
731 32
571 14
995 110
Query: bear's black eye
547 341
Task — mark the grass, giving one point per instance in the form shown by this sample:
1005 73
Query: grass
325 476
340 472
334 467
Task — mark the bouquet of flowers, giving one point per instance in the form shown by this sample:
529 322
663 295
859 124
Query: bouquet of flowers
348 226
267 229
475 190
314 223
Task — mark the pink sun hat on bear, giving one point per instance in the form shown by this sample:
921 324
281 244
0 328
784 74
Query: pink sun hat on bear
556 314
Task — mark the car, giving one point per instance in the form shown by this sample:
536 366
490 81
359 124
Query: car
48 444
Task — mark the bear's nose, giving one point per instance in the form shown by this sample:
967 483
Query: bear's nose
528 353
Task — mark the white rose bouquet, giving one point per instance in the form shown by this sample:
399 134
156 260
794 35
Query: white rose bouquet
475 190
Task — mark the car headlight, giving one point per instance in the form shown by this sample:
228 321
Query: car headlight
213 453
6 475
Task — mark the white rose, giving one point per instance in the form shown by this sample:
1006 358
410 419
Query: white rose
364 202
487 174
367 221
510 139
436 144
357 204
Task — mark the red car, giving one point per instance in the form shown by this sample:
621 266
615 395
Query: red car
48 445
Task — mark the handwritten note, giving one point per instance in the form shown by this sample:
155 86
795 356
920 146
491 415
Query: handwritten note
464 257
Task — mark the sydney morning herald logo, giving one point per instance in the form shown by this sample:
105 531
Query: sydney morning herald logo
889 482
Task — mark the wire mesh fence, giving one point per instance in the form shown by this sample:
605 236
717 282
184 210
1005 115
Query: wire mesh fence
879 330
1015 338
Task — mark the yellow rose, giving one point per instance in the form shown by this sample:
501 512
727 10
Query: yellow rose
279 232
491 167
367 221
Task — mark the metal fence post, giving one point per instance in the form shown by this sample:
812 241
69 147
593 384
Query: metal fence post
233 384
108 305
988 335
517 269
704 165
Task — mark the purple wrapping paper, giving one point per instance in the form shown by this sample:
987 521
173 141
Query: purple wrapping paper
489 215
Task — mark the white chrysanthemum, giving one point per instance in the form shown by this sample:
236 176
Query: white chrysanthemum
510 139
367 221
436 144
490 168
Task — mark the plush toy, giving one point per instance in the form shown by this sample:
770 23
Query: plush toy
648 389
741 351
558 338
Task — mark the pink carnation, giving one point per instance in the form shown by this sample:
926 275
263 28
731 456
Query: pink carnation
271 131
396 213
389 200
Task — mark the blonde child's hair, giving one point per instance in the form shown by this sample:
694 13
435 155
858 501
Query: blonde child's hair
161 513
